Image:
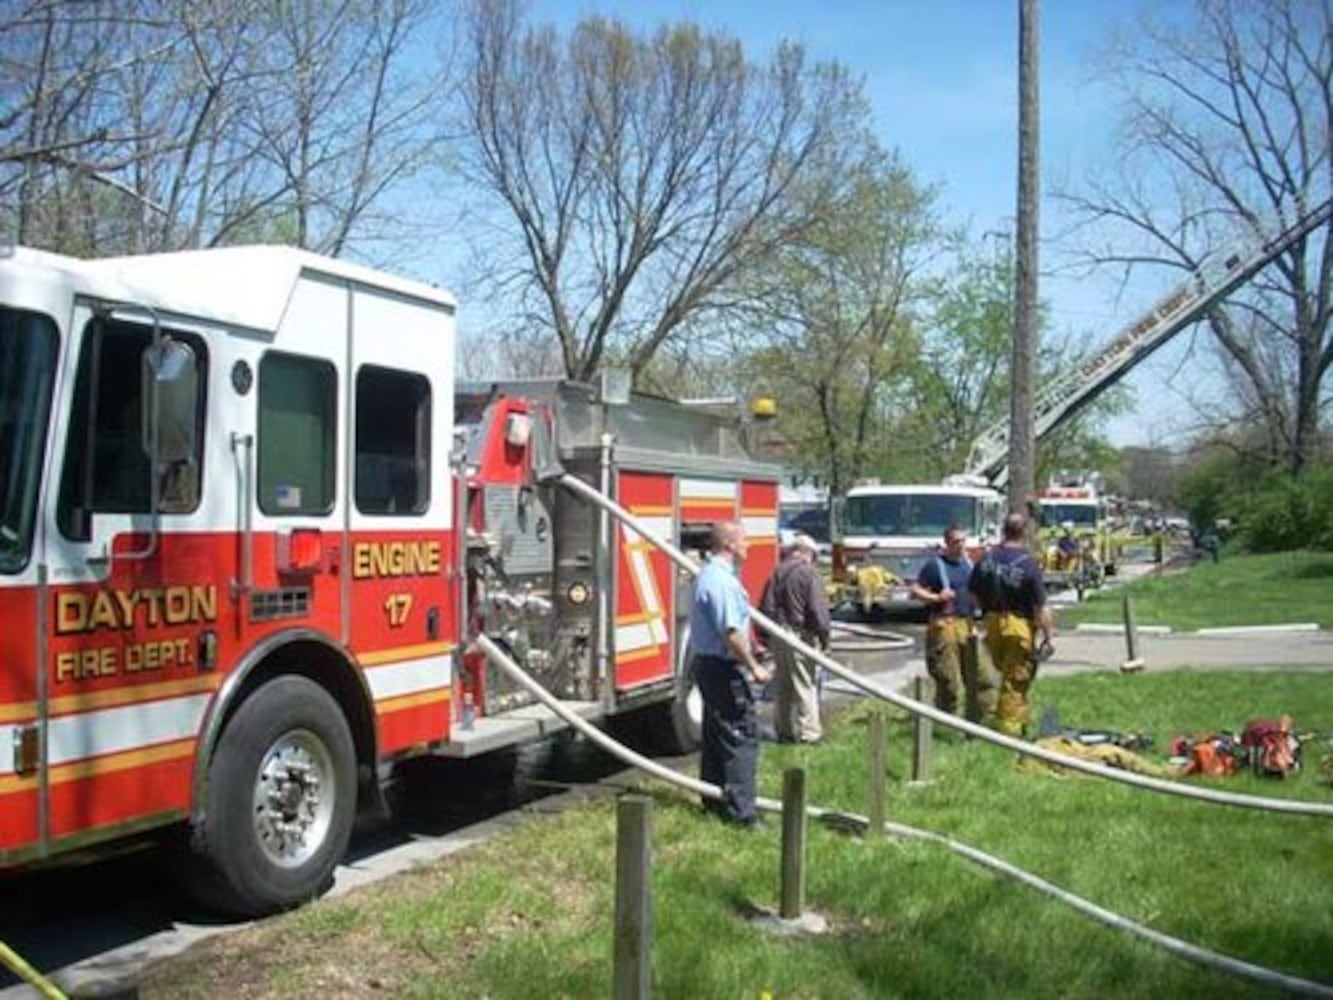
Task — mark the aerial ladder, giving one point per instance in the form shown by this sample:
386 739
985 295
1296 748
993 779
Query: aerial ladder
1064 396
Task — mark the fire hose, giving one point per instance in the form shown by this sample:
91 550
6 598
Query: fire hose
1183 949
861 639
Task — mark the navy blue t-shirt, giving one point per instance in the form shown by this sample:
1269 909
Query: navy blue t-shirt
960 576
1025 590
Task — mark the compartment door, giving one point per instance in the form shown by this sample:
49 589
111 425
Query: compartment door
644 591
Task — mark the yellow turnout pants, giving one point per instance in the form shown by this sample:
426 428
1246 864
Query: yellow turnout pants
958 665
1011 641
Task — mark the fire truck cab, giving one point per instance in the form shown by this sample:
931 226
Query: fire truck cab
1077 547
884 533
248 524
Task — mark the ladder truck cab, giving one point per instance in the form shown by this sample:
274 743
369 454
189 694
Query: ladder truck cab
250 526
884 533
1077 548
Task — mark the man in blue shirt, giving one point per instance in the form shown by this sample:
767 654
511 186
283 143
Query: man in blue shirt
952 655
724 667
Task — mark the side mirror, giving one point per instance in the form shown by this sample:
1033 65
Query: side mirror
546 462
170 393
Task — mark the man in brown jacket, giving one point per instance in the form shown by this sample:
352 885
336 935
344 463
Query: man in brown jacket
794 598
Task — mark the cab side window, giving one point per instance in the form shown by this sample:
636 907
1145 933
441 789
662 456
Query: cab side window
298 431
106 467
392 441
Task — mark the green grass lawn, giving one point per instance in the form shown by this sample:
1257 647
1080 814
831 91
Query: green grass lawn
529 914
1240 590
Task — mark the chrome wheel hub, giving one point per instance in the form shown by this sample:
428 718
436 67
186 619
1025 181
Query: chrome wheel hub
293 798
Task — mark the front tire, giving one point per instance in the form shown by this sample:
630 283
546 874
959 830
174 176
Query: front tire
281 799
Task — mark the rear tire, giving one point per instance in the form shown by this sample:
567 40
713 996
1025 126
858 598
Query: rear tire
672 727
678 724
281 801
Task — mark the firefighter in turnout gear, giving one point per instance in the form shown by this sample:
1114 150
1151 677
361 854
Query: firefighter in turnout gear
953 657
1009 585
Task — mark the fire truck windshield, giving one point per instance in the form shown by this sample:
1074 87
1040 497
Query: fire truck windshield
27 371
1081 515
919 515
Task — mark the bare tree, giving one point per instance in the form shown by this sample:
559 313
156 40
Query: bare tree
55 129
137 125
1227 135
335 113
641 176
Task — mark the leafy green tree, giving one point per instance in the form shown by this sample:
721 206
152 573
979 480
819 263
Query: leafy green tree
834 321
960 383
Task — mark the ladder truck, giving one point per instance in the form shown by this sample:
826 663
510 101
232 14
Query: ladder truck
1068 393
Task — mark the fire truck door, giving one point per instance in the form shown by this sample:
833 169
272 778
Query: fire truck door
129 592
29 347
402 603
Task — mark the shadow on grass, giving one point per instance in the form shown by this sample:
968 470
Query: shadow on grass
1317 570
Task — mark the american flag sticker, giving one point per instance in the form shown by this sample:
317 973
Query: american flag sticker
288 497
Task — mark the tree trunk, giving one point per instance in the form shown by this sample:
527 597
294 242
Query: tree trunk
1022 462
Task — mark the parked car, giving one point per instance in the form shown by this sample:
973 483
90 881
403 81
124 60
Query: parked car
812 521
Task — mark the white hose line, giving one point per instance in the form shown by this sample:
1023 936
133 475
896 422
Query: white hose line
860 639
1183 949
897 640
505 662
1096 769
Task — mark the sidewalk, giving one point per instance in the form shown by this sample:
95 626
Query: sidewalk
1080 652
1075 651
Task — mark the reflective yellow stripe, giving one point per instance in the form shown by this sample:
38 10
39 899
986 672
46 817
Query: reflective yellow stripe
18 711
398 653
87 701
438 696
109 764
634 655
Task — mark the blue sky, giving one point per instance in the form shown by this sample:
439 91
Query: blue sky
941 80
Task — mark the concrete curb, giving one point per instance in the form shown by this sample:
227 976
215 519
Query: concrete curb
1109 628
1239 629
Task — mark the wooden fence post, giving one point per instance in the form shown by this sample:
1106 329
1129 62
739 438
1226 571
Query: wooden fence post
1133 660
878 773
793 843
923 730
633 972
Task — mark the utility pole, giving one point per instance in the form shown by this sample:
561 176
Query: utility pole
1023 360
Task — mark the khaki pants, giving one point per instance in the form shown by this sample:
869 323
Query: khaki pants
1010 639
958 665
796 714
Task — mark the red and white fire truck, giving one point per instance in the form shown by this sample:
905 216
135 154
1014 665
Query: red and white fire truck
249 523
